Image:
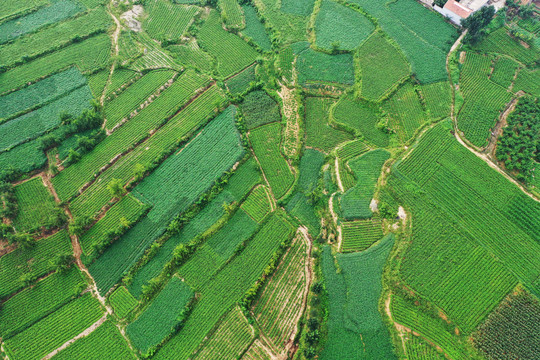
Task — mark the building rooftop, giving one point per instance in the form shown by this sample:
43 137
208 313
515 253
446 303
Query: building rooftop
458 9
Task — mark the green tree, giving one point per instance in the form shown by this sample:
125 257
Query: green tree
476 24
61 262
116 188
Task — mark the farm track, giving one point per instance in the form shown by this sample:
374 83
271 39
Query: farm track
116 50
86 332
481 155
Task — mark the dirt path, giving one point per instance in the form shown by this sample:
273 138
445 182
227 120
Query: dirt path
86 332
338 176
498 129
77 250
292 128
482 156
116 52
335 218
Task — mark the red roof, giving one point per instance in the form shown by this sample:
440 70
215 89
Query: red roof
457 8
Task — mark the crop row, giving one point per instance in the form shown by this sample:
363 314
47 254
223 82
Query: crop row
228 287
257 204
184 177
360 235
232 53
230 339
54 330
54 37
161 317
279 306
17 263
71 179
34 303
135 95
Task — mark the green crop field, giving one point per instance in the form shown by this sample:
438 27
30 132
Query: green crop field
484 100
382 67
231 53
257 204
340 27
105 342
353 298
405 111
57 11
231 338
258 109
33 260
134 96
266 146
55 329
287 287
167 20
255 29
241 82
361 234
320 68
355 203
319 133
35 205
269 179
32 304
161 317
437 98
122 302
361 118
62 34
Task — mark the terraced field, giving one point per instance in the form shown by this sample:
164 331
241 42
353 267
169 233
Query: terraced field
268 179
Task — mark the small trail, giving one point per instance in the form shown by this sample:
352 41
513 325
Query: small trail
335 218
116 52
338 176
77 250
86 332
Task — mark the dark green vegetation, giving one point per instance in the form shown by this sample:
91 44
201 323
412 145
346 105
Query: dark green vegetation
353 295
519 145
267 179
512 330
